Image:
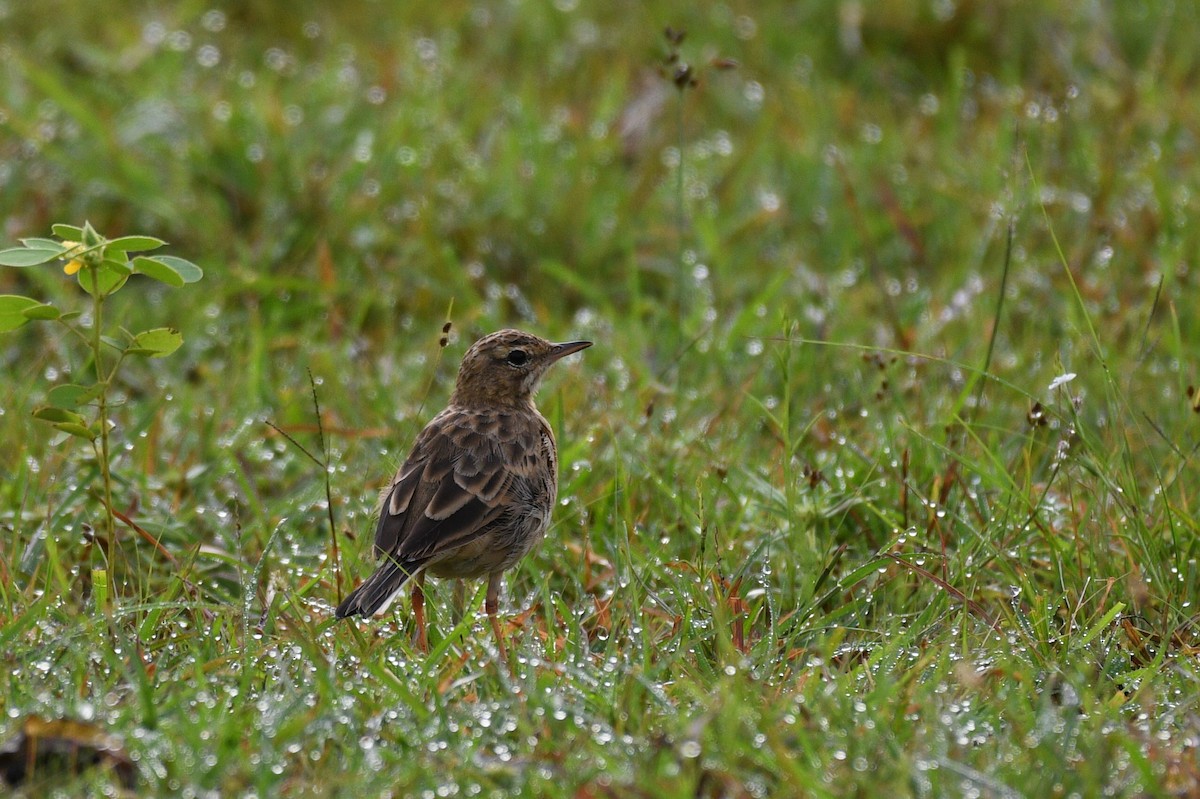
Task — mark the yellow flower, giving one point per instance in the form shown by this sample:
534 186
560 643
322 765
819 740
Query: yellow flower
74 265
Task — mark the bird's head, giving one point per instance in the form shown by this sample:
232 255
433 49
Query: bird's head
504 368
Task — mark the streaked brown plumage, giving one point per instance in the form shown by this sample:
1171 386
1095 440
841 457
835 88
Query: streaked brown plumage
476 492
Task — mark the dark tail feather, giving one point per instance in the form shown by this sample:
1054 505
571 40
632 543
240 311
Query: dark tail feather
378 590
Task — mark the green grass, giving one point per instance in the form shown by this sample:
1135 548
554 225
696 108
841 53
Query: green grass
824 529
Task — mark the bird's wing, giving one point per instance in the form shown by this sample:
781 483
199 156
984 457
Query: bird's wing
457 480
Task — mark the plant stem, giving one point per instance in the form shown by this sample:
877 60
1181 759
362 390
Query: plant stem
102 379
680 218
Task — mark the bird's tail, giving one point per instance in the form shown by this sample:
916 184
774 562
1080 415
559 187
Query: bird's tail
375 595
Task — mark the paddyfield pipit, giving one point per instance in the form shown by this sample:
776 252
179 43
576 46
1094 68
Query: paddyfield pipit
476 492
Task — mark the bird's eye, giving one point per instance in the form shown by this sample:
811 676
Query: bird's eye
518 358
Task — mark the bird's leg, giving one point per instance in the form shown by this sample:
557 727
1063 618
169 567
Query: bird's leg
459 599
491 604
420 638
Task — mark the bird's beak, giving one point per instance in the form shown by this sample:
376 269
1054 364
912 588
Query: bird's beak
566 348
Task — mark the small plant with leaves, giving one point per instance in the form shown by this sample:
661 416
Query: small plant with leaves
102 267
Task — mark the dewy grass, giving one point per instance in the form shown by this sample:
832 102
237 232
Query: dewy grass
860 547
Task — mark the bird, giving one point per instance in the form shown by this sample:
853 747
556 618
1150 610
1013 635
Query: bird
475 494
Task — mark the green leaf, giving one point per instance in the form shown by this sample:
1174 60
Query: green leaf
190 271
134 243
44 244
154 268
110 281
68 232
79 431
70 315
120 265
1099 626
70 395
42 312
157 267
99 590
23 256
66 421
12 310
53 415
157 343
90 237
185 268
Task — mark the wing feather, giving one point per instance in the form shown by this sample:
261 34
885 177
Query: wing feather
455 483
